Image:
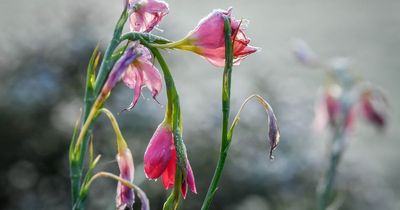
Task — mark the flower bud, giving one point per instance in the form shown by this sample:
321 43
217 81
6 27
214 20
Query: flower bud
125 195
160 159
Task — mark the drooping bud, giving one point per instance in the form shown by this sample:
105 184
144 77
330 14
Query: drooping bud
160 159
273 133
125 195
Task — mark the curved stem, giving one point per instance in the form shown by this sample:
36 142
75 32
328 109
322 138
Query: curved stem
260 99
226 94
121 144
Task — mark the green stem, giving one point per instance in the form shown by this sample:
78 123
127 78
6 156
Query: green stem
226 94
76 162
326 185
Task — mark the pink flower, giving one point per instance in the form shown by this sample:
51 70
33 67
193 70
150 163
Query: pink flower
125 195
373 108
208 40
160 160
142 72
332 107
146 14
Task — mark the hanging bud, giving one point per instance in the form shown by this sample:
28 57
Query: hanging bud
273 134
160 159
125 195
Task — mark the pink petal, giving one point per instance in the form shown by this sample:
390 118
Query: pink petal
133 78
151 77
190 178
168 177
149 14
159 152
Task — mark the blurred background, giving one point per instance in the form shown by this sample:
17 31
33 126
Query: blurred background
44 49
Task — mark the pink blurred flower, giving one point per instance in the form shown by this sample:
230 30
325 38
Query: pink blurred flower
142 72
373 107
160 160
146 14
125 195
208 40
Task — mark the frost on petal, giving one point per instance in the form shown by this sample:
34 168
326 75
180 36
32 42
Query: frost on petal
209 32
208 39
158 153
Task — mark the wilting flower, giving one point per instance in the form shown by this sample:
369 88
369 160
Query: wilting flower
373 107
125 195
146 14
160 160
142 72
273 134
119 69
136 69
208 39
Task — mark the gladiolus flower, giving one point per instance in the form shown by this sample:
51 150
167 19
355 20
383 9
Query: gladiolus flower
208 39
160 160
136 69
146 14
142 72
125 195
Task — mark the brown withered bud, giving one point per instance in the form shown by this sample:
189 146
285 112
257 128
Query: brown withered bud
273 134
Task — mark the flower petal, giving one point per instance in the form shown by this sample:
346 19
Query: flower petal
159 152
168 177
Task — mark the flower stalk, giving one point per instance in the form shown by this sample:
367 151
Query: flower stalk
226 96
